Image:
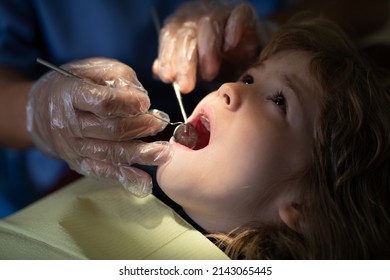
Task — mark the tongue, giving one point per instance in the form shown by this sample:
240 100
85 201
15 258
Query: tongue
203 136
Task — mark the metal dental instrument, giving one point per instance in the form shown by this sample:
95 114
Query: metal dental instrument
184 133
162 117
56 68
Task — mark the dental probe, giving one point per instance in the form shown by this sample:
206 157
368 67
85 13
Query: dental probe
162 117
56 68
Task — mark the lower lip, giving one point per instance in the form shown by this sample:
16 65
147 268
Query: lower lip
185 148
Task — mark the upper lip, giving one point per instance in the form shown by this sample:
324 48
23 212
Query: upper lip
205 111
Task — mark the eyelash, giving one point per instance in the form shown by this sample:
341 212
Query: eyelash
247 79
278 98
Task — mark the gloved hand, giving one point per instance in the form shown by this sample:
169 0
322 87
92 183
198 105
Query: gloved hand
208 37
91 122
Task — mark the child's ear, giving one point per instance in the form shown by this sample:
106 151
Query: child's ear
290 214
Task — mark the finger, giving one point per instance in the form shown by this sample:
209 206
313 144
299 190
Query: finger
104 71
177 59
107 101
156 69
166 53
134 180
118 128
210 39
186 59
242 18
124 153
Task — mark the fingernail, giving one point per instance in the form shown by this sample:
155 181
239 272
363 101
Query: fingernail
159 115
160 152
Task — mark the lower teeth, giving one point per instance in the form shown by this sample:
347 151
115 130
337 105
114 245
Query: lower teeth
186 135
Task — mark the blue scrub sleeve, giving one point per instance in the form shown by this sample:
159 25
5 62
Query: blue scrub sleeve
18 35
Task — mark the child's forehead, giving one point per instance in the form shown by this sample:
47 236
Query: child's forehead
285 57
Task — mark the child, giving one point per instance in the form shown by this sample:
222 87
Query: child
292 159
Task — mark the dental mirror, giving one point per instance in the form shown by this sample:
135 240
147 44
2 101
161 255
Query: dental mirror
186 135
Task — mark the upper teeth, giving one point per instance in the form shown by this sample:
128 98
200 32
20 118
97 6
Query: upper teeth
205 121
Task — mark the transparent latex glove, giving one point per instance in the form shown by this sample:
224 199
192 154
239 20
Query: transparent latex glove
92 122
210 37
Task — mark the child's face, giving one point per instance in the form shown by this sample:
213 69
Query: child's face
261 132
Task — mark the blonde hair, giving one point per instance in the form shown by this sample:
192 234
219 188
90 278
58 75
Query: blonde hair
346 187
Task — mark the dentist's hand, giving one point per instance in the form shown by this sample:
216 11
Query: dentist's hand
203 39
92 122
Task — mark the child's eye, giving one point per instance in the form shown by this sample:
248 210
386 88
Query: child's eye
280 101
247 79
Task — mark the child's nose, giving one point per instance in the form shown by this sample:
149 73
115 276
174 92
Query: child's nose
229 94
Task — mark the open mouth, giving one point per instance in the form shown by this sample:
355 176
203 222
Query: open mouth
202 126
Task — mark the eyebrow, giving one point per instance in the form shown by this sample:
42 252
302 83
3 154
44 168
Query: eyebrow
296 85
256 64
